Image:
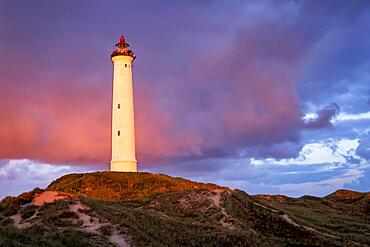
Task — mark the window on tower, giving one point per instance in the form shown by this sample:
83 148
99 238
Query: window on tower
125 65
119 106
119 133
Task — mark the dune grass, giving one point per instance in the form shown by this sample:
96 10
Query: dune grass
158 210
122 185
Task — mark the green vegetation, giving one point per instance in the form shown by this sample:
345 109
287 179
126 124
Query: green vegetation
122 185
10 204
106 230
28 212
38 235
149 227
344 218
53 225
158 210
57 214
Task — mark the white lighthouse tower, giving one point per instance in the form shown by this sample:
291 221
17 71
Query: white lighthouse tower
123 129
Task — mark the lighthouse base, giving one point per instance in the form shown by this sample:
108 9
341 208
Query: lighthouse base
123 166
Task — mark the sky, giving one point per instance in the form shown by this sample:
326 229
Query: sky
271 97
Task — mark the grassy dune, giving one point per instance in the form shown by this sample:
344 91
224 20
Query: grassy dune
159 210
122 185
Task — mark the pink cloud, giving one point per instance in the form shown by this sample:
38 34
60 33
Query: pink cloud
230 93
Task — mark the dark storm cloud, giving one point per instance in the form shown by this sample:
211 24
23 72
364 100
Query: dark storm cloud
323 117
212 79
338 62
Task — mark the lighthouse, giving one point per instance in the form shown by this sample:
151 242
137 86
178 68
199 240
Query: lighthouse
123 128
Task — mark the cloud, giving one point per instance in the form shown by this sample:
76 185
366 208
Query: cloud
364 148
17 176
323 187
319 169
323 118
16 169
54 124
351 117
328 151
362 183
156 135
231 81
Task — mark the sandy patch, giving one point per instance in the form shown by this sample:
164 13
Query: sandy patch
93 224
17 219
226 220
117 239
49 197
286 218
90 224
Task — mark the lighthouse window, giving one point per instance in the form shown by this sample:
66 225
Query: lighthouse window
125 65
119 133
119 106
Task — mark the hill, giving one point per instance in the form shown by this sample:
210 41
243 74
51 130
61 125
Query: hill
121 185
143 209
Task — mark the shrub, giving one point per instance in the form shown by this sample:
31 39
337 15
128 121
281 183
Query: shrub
28 212
5 221
106 230
10 210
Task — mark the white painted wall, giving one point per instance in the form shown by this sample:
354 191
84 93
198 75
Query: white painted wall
123 145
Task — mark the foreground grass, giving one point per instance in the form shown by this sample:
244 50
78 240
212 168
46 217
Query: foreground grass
162 221
348 221
158 210
51 225
41 235
170 225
